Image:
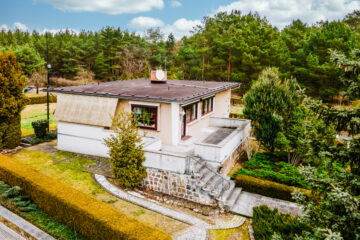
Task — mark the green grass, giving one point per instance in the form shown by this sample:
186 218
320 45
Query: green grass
238 109
36 112
68 168
241 232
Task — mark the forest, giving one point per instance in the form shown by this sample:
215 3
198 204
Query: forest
226 47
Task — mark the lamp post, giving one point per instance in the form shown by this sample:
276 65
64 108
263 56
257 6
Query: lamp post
48 66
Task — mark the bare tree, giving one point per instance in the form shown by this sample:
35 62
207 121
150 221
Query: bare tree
38 79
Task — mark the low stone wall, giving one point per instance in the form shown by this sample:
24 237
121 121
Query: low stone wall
178 185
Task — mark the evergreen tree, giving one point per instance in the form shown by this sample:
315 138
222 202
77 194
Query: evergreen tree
12 100
126 152
273 107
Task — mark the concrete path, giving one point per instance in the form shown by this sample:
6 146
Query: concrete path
7 233
199 228
27 227
246 201
145 203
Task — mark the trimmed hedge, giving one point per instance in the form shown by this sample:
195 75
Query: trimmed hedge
90 217
236 115
41 99
268 188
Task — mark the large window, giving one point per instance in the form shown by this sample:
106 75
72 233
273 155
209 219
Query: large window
191 112
207 105
145 116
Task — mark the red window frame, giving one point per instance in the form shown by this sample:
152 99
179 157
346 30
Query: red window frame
209 108
192 111
151 107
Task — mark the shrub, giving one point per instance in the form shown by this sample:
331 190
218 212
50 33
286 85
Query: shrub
126 152
35 140
12 100
10 133
42 99
264 167
267 188
40 128
90 217
267 223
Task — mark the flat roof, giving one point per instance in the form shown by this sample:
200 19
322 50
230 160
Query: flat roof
182 91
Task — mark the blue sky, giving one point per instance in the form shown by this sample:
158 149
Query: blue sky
177 16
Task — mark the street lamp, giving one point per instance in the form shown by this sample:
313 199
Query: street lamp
48 66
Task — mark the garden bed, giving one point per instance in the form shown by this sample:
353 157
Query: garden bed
265 167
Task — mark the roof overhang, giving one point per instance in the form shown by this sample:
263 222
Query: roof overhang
203 96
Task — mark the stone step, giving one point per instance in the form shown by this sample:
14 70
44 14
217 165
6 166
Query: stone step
218 186
199 165
203 170
226 194
205 178
232 199
211 185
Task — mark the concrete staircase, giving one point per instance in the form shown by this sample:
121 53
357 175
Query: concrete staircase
213 183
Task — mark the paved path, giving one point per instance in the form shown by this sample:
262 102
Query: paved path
145 203
198 230
7 233
24 225
246 201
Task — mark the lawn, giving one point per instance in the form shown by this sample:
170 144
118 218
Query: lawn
68 168
238 109
35 112
241 232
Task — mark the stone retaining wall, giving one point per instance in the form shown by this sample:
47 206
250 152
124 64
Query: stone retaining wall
178 185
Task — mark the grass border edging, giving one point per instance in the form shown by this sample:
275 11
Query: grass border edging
268 188
92 218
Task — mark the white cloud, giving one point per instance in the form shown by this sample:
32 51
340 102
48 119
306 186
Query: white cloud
145 22
16 25
4 27
175 3
281 12
112 7
22 27
179 28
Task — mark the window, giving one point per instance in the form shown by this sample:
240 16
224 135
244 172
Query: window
191 112
145 116
207 105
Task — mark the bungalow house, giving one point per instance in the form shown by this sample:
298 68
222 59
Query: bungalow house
182 122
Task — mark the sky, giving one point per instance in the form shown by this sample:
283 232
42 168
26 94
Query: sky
176 16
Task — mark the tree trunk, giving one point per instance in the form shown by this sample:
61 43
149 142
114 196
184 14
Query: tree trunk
203 65
228 67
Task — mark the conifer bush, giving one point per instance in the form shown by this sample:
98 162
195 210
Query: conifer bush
269 223
12 100
125 150
40 128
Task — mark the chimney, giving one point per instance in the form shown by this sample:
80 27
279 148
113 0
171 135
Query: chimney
158 76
